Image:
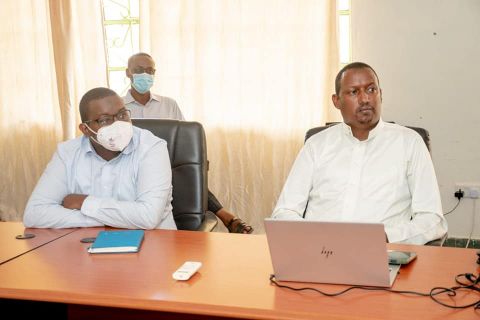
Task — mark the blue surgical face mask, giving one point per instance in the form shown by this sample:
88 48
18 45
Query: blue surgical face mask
142 82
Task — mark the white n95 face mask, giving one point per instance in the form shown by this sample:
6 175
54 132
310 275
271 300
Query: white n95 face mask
114 137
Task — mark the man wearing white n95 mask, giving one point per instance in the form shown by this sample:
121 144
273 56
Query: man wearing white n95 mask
115 174
364 169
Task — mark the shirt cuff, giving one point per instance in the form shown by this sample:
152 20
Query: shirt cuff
393 234
90 206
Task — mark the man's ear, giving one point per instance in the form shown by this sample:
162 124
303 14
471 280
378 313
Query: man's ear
83 127
128 74
335 100
381 98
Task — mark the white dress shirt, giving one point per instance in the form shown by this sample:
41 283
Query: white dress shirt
156 107
133 190
388 178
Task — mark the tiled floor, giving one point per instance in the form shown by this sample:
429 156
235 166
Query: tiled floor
462 243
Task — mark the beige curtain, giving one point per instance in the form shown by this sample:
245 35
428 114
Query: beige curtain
51 52
79 51
256 74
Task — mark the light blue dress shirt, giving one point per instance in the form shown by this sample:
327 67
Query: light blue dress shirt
133 190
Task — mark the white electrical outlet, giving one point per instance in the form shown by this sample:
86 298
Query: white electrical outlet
470 189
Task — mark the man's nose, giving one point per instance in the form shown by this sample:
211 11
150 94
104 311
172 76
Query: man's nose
363 97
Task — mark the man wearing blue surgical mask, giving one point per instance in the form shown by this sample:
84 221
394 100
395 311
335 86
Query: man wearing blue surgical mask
115 174
139 100
144 104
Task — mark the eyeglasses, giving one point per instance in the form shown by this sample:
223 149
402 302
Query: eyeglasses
103 121
139 70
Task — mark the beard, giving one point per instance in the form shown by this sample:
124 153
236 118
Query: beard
366 114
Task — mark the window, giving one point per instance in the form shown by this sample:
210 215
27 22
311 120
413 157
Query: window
344 46
121 32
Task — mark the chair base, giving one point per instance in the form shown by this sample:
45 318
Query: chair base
209 223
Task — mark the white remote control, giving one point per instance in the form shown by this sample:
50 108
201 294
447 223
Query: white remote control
186 270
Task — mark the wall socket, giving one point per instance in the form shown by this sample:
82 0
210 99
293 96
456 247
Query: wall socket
470 189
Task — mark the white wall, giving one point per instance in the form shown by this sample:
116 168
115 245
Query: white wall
426 54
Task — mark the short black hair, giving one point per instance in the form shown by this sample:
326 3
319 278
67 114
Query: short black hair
353 65
93 94
138 55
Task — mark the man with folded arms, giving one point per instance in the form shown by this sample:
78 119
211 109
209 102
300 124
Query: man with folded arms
115 174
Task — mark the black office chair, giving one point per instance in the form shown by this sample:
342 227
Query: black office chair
187 148
421 131
426 138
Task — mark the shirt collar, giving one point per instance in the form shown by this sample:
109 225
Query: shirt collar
86 145
347 130
129 98
131 146
375 131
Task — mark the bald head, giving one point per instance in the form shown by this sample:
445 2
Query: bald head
132 59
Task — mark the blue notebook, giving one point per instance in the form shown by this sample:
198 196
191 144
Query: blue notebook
117 241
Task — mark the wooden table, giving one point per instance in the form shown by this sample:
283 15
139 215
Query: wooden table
11 247
233 282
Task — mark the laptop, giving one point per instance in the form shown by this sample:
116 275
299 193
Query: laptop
330 252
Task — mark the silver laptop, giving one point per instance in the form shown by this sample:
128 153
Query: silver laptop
330 252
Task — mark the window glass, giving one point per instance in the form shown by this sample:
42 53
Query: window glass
344 37
121 28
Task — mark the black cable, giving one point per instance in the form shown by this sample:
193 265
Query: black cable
471 283
459 199
272 280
